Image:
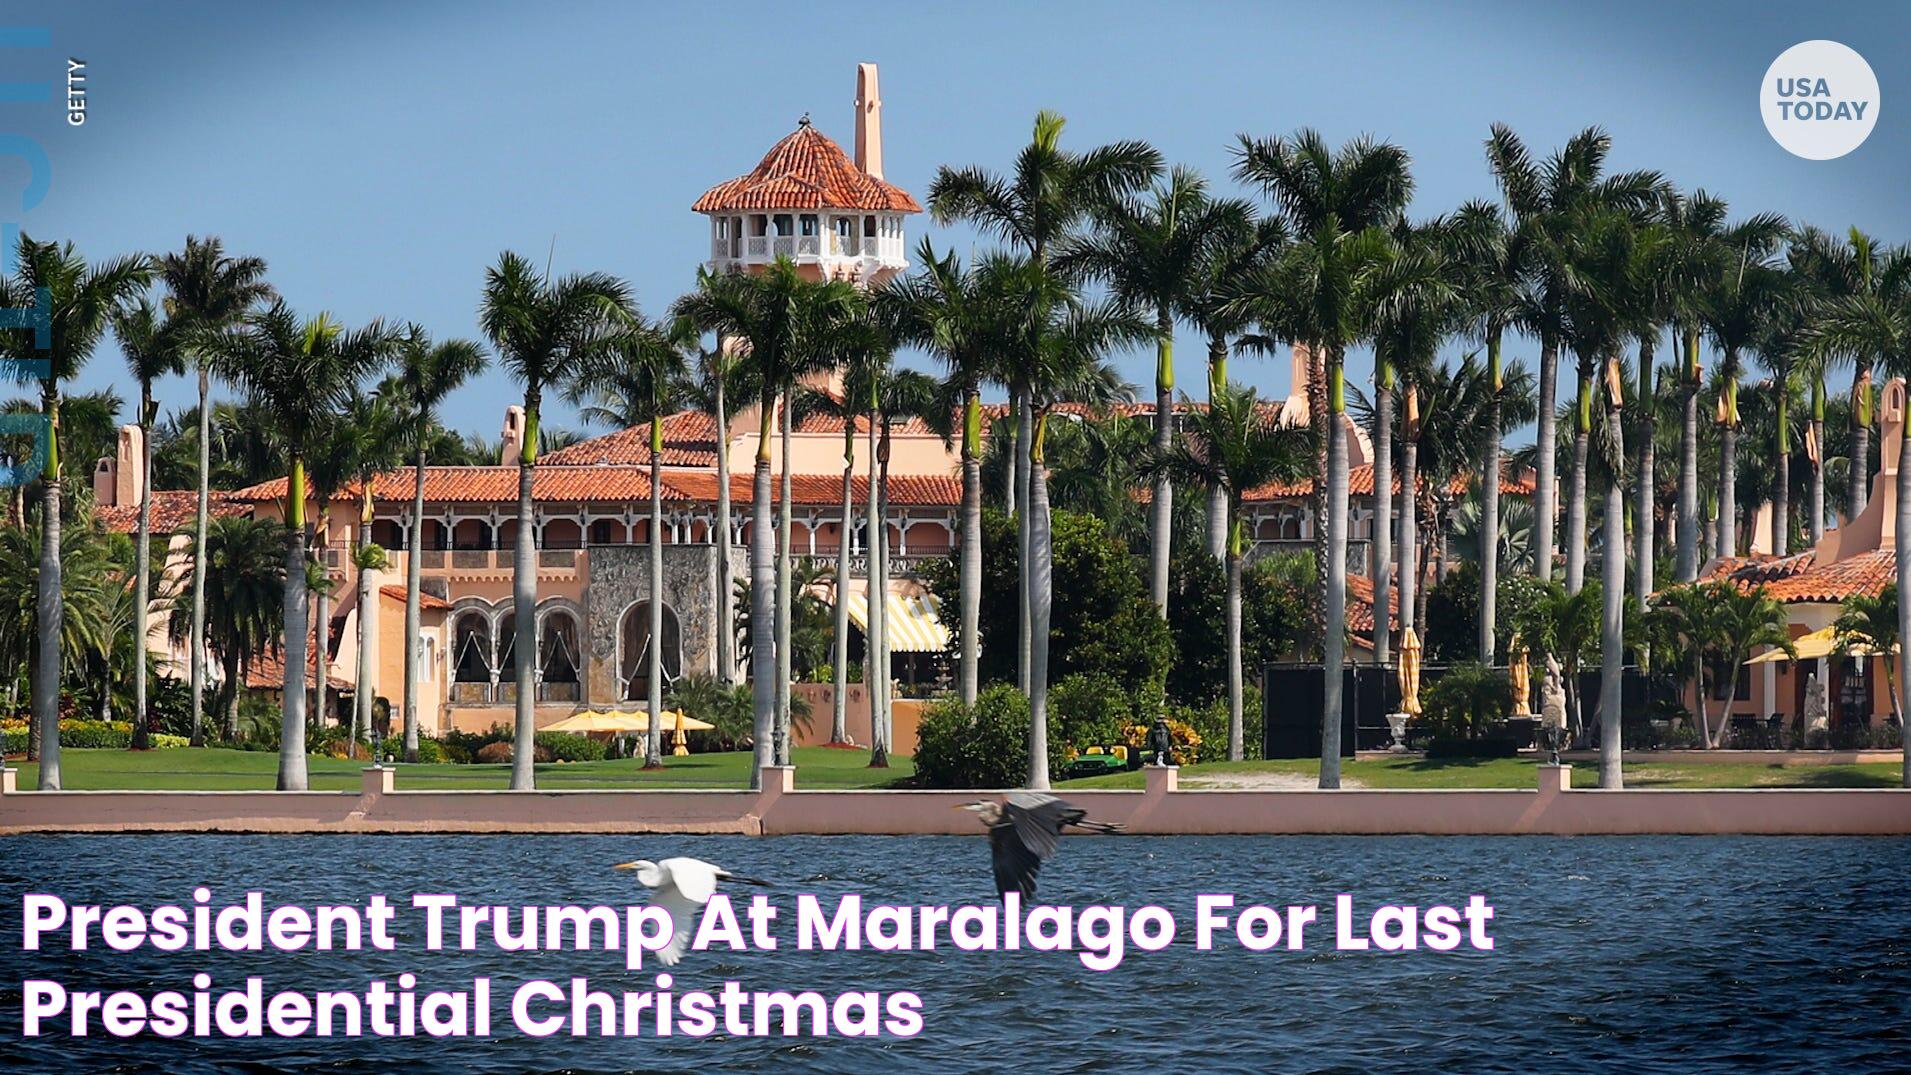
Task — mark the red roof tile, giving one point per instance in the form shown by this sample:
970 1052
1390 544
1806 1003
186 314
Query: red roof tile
1360 605
427 602
577 484
1360 482
1800 580
806 171
173 511
690 440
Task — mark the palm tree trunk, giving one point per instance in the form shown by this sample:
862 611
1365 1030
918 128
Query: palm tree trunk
876 672
142 571
1545 503
762 602
524 604
653 736
1728 461
1781 492
1576 502
1218 533
1235 752
1490 508
196 641
886 691
292 706
1904 606
1381 570
1860 442
1818 481
51 607
839 703
322 645
971 566
1041 592
1024 434
1409 536
1162 507
783 594
726 586
1687 568
364 693
414 580
1334 632
1612 625
1644 556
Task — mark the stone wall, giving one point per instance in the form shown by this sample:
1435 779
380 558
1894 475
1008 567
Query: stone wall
619 577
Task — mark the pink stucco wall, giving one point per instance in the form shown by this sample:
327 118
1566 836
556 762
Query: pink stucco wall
779 809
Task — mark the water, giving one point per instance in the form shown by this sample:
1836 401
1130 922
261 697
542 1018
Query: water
1678 954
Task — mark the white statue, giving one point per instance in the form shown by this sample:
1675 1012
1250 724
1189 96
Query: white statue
1552 695
1817 704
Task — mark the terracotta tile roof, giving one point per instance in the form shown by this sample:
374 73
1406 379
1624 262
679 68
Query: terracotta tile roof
1360 605
267 672
1800 579
576 484
427 602
1360 482
173 511
806 171
690 440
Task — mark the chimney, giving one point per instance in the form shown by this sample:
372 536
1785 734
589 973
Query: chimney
512 434
869 122
129 483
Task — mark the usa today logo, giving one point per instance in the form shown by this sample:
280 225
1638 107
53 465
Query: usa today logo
1819 100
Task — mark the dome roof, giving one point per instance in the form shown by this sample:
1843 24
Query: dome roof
806 171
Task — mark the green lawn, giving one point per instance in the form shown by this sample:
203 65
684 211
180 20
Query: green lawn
1411 771
237 770
820 767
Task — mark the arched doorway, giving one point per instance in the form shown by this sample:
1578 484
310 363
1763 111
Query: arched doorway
633 647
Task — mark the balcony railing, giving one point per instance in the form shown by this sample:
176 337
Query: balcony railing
762 249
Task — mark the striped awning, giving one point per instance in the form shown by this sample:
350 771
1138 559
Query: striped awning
914 626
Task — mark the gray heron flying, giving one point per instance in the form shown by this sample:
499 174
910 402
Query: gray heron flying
1024 831
682 886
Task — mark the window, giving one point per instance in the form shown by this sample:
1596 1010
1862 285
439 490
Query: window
807 222
508 648
869 227
558 658
634 649
471 648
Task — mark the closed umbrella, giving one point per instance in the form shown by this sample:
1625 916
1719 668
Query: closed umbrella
1410 673
1521 675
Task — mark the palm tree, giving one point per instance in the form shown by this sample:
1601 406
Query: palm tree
639 380
1243 247
1493 288
300 372
428 372
1868 623
1034 209
1337 204
1150 250
542 331
245 600
1739 622
92 587
1694 225
207 292
1876 322
1739 302
787 327
73 304
1236 445
152 351
381 428
896 395
965 318
717 371
1543 200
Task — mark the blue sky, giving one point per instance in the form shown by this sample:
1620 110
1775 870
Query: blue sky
380 158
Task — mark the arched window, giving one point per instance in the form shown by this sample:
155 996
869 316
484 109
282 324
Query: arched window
558 658
634 648
471 648
508 648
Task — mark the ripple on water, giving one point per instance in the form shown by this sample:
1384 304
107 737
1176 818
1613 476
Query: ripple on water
1680 954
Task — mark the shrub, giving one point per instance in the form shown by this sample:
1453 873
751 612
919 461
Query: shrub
1089 709
1465 702
430 751
564 746
163 741
986 747
1210 723
1187 742
499 752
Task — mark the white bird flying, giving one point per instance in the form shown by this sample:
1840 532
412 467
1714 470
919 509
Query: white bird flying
682 886
1024 831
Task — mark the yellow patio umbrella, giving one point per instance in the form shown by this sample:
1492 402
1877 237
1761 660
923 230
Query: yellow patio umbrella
1521 675
1811 647
1410 672
594 720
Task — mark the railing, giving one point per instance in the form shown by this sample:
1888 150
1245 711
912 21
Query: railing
899 566
765 248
